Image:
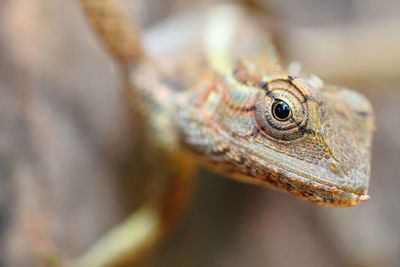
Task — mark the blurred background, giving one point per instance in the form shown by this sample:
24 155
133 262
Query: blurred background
66 141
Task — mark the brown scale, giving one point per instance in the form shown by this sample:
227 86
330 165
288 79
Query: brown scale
252 121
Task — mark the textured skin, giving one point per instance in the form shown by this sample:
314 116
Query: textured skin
212 95
206 94
217 104
322 156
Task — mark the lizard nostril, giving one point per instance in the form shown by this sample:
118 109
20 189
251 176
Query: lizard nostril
337 168
333 166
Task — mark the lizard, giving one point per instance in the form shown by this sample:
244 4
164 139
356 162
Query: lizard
222 99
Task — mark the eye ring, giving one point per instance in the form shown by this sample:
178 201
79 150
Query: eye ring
281 110
286 126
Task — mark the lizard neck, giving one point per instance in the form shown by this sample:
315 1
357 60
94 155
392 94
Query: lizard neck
210 70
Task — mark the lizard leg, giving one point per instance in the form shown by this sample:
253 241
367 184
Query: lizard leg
115 30
170 179
128 242
132 240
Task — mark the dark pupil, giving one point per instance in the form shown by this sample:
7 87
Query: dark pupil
281 110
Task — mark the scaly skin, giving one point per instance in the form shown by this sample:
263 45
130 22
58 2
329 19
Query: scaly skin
321 154
219 106
212 99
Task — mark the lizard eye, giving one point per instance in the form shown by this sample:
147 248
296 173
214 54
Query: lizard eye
281 110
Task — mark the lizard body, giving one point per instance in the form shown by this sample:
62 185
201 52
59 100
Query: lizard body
222 99
218 103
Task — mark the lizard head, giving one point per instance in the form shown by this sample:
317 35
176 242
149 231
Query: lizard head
292 133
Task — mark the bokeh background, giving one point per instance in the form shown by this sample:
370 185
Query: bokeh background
66 141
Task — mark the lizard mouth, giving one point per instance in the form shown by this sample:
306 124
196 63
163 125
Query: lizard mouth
298 181
325 180
314 189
